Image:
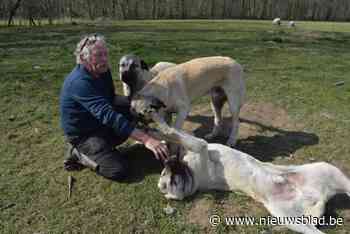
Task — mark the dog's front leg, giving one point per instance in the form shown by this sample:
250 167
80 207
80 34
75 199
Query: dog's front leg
191 143
178 136
181 117
168 118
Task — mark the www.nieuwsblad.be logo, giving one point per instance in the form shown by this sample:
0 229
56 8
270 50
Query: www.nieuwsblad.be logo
271 220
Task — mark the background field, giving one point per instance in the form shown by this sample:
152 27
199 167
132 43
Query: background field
295 113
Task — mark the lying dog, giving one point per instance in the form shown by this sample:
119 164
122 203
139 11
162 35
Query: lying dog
134 73
173 90
285 191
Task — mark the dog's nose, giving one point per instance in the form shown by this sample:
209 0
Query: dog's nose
126 77
133 112
125 72
141 116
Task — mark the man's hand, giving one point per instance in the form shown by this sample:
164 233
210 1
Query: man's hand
159 148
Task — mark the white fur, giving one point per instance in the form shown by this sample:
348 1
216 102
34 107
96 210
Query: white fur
291 24
277 21
285 191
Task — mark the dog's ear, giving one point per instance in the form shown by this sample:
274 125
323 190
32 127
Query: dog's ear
157 104
144 65
180 154
171 163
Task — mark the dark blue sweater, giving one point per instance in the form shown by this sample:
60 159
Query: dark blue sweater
86 105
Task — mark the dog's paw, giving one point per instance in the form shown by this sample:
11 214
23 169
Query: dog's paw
210 136
174 197
231 143
213 135
216 132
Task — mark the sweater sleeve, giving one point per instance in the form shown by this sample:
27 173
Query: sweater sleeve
87 96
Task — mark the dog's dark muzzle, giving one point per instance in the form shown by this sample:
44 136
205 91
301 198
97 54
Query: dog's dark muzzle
135 114
128 77
141 118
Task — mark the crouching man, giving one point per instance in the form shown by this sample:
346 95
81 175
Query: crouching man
94 119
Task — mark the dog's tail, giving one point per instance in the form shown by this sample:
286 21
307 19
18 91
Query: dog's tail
341 181
344 182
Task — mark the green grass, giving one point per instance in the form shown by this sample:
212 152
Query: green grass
292 68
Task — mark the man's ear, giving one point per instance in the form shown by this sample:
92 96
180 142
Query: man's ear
157 104
82 58
144 65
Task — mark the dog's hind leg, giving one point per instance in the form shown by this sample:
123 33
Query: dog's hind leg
317 210
234 102
287 214
218 99
334 180
235 89
341 181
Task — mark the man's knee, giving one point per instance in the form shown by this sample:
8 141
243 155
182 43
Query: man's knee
113 167
116 174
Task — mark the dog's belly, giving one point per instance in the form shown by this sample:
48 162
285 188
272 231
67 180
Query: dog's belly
232 168
198 76
200 83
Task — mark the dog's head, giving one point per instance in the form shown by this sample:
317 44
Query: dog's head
143 107
131 70
176 180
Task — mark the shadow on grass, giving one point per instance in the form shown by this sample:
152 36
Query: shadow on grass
265 148
218 196
339 201
141 162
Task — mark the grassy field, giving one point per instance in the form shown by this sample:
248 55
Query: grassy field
297 112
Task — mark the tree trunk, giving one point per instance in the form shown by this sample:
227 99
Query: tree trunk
13 12
90 9
183 9
212 9
31 21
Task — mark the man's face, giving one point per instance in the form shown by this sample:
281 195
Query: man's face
98 62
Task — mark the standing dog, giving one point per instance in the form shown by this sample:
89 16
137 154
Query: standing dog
173 90
134 73
285 191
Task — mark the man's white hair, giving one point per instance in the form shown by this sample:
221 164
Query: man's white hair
85 45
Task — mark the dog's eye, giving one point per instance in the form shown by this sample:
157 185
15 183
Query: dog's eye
153 106
164 186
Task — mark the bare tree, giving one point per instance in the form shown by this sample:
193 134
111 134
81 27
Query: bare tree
36 10
13 12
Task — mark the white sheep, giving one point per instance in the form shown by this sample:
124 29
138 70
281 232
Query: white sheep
277 21
291 24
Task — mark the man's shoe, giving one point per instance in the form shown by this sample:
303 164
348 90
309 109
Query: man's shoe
71 163
78 161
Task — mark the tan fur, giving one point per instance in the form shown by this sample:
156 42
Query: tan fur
179 85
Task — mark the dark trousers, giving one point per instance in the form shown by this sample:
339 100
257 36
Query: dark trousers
100 147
